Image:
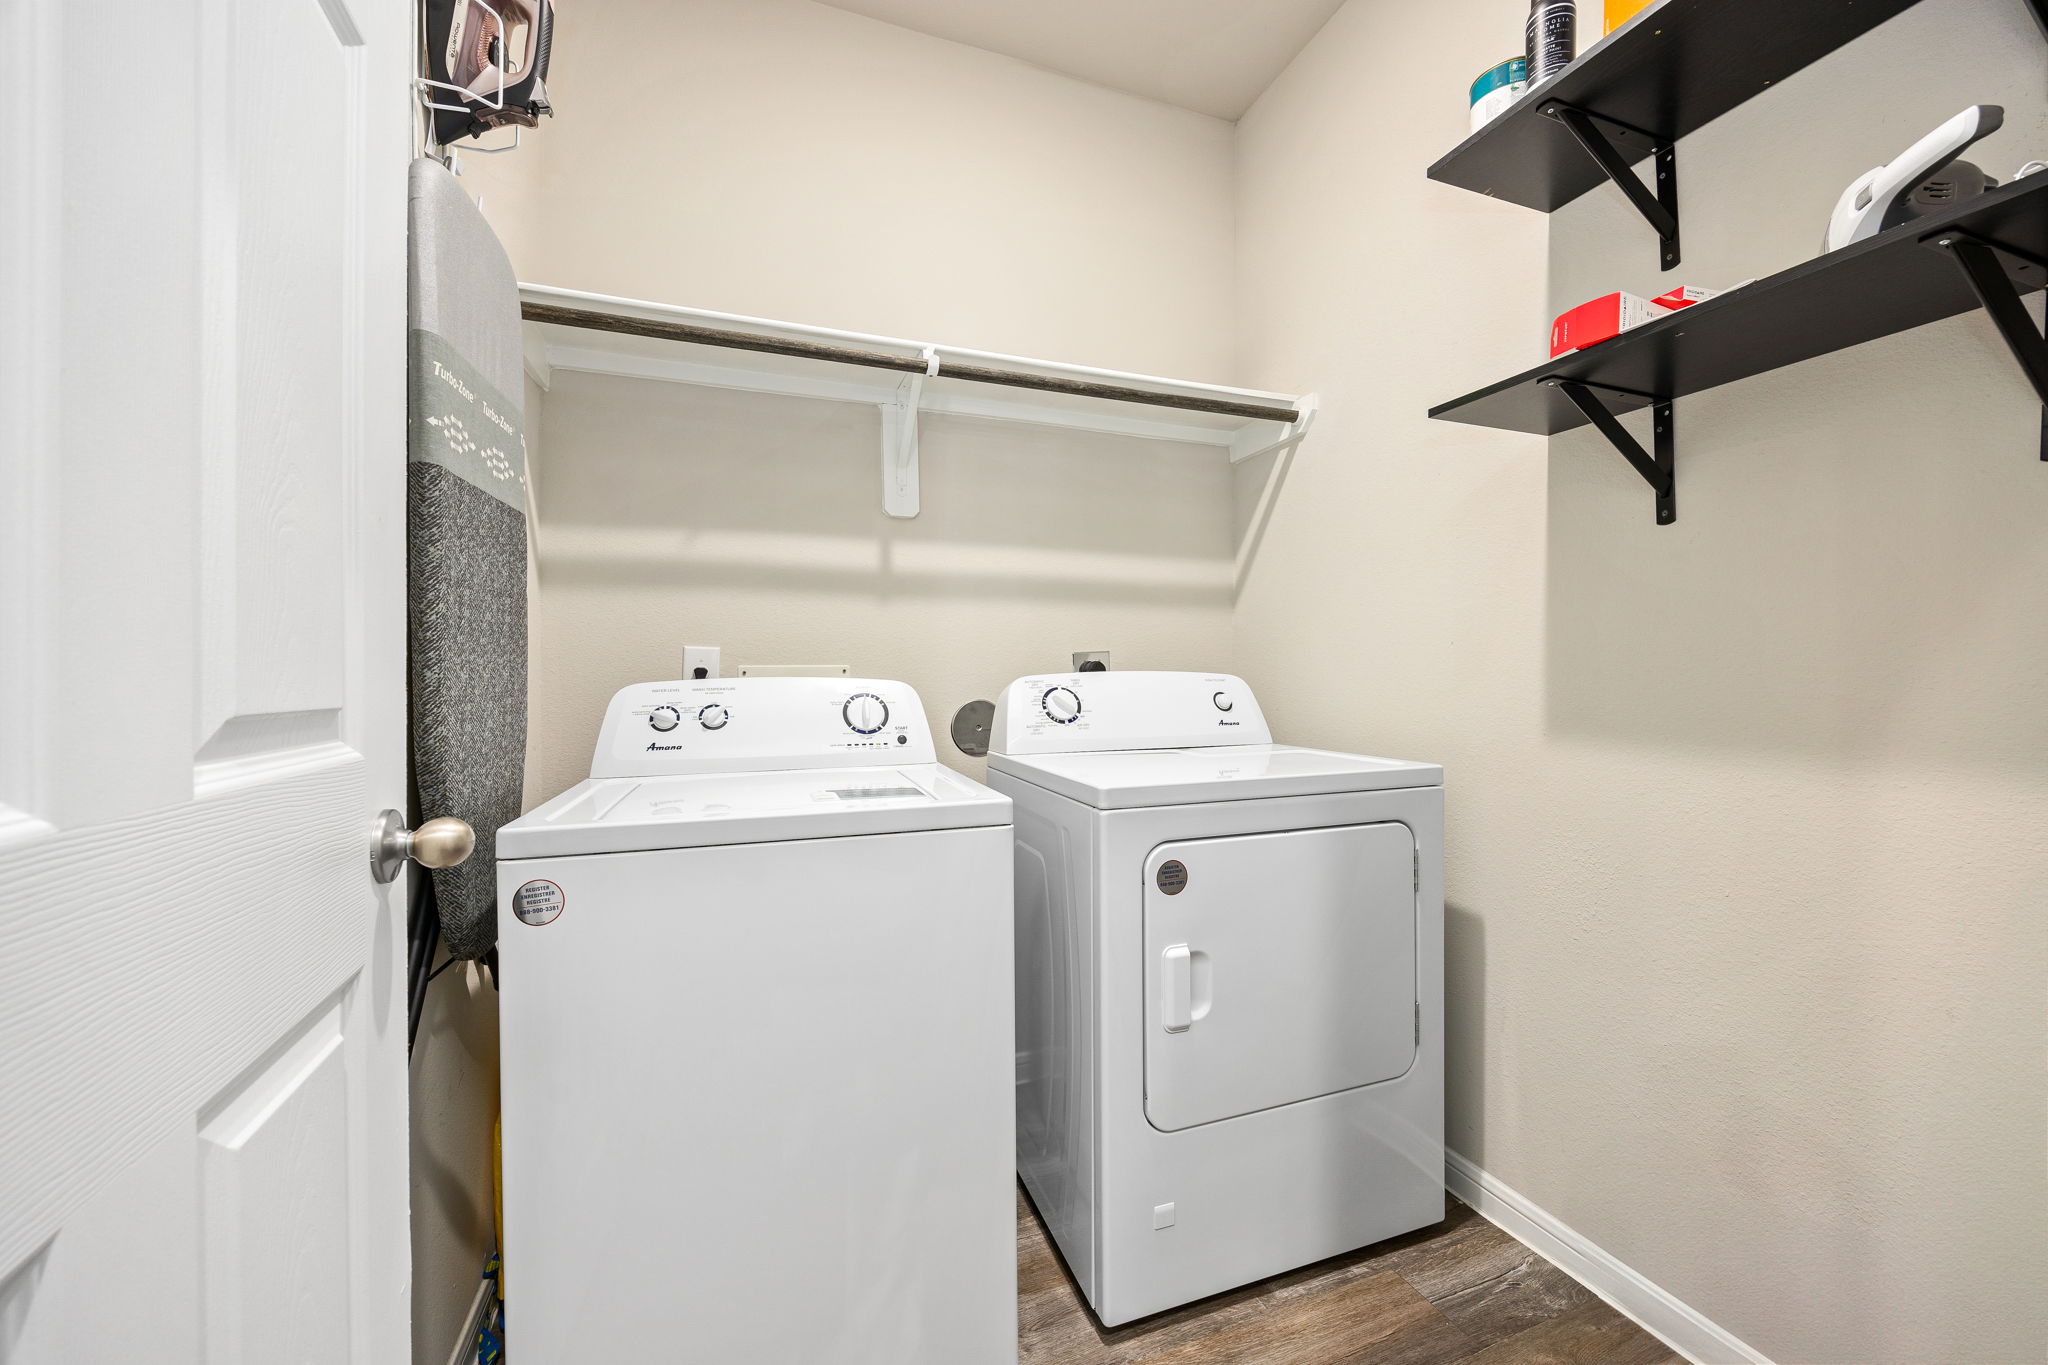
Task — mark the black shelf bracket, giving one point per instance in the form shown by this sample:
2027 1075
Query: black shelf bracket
1660 209
2000 297
1660 470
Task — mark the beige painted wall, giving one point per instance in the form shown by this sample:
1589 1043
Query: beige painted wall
1748 863
822 167
789 160
754 522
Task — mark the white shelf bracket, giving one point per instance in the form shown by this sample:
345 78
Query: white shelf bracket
1255 441
899 440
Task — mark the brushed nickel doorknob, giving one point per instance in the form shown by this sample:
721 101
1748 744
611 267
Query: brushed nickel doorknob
441 842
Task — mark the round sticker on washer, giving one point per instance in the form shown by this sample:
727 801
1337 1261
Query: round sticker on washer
538 902
1172 876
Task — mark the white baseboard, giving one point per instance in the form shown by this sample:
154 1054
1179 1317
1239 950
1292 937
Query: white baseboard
472 1323
1684 1329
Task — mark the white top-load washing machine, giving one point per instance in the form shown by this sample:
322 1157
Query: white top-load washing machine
1229 986
757 1039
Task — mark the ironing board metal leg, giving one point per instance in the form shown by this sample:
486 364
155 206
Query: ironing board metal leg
1659 469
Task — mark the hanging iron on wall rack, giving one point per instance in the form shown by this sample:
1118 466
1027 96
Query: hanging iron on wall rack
1659 208
1993 285
1659 469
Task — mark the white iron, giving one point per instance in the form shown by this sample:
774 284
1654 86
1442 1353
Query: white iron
1907 187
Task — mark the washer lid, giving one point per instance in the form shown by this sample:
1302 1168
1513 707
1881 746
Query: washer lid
1178 777
625 814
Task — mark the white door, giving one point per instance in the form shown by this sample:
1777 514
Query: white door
202 472
1278 967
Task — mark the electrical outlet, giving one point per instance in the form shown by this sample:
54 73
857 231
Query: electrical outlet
700 661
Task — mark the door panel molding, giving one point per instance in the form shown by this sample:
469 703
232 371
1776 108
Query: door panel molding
202 669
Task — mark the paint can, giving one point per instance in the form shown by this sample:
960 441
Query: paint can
1497 88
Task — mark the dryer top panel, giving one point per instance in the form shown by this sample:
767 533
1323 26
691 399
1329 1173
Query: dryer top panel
760 725
1080 713
1178 777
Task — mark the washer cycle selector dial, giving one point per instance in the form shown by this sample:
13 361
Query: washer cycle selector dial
1061 704
664 718
713 717
1223 701
865 713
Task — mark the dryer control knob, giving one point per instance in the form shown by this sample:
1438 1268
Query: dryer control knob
664 718
1062 704
865 713
713 717
1223 701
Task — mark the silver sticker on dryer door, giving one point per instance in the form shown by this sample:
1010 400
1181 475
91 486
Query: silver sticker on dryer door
1172 876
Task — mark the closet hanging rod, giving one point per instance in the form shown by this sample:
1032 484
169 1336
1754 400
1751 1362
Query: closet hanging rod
882 360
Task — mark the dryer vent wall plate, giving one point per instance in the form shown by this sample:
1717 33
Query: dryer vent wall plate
971 726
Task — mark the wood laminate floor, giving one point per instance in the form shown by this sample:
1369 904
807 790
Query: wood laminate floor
1461 1291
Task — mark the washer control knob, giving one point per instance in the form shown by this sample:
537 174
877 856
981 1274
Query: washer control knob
1062 705
713 717
865 713
1223 701
664 718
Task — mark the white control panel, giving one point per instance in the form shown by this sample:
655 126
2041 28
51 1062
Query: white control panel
754 725
1078 713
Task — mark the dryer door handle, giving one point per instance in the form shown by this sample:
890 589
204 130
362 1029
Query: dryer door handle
1176 988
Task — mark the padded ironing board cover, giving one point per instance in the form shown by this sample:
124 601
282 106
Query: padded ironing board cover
466 507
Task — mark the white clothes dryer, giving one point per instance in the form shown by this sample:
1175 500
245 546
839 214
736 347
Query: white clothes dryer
1229 986
757 1039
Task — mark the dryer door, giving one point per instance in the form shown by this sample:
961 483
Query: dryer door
1278 967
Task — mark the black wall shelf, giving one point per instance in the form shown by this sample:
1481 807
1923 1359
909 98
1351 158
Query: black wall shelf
1673 68
1983 253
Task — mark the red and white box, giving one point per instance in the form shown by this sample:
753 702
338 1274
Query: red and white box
1598 319
1685 296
